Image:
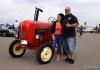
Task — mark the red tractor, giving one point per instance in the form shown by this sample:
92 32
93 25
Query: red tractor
33 35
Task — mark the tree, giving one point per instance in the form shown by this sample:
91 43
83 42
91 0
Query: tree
85 23
99 25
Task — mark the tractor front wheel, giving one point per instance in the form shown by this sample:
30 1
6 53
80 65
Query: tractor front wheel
44 54
15 50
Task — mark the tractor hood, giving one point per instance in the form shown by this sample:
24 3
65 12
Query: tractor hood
27 29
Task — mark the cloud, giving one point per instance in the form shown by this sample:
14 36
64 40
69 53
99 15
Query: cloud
24 9
84 1
85 10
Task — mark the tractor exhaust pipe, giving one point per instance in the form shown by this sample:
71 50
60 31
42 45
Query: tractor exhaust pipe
36 15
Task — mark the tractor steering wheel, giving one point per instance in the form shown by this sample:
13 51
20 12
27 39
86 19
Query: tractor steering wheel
51 20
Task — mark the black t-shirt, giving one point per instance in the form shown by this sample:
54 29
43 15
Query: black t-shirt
69 32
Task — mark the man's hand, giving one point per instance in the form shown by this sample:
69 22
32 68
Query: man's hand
68 25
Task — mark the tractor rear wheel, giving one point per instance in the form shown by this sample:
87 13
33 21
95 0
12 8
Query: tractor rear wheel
45 54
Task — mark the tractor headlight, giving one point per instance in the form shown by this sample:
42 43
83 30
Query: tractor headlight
37 36
24 42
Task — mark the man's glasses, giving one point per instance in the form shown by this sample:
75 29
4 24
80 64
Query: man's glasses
67 10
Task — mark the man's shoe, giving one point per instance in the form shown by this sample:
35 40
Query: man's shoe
71 61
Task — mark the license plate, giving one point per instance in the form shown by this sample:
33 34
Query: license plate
24 42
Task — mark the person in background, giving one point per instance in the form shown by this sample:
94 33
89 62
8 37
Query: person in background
16 24
81 31
69 24
56 31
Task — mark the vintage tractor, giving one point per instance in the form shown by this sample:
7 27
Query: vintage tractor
33 35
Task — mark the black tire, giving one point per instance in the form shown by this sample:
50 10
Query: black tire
49 53
11 50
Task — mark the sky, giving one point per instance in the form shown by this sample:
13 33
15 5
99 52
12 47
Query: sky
84 10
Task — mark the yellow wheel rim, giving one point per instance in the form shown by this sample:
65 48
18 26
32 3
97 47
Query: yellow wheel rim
46 54
17 52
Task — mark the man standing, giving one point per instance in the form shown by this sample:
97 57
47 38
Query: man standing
16 24
69 24
81 31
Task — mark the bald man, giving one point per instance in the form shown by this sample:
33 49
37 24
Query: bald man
69 24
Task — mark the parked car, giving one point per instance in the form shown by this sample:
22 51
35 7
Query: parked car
4 31
89 30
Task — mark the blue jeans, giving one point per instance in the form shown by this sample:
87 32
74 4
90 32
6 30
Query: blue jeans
57 43
69 44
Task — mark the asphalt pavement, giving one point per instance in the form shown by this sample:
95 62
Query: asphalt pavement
87 56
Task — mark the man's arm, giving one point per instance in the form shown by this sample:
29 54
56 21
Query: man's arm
72 25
